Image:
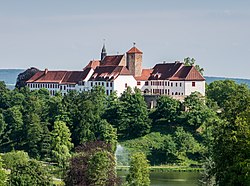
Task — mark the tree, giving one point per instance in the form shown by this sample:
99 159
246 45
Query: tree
15 158
61 143
33 173
3 175
167 109
231 151
196 113
93 164
34 135
24 76
159 148
191 62
138 171
230 97
4 96
187 146
133 115
13 134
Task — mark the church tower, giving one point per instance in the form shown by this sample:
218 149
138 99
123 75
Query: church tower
104 52
134 61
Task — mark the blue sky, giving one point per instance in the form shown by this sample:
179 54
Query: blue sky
59 34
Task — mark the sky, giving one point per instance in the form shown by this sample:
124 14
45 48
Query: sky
60 34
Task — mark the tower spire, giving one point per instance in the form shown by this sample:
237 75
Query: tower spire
104 52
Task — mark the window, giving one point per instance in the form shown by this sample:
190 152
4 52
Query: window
102 83
126 85
146 83
171 84
107 92
111 84
107 84
176 84
64 87
168 83
193 84
138 83
110 91
83 83
180 84
91 84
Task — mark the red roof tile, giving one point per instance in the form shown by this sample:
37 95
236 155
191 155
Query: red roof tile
111 60
107 73
61 77
165 70
134 50
144 75
92 64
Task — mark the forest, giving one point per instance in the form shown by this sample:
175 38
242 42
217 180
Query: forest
74 137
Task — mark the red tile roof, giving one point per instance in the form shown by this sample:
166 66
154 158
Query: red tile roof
134 50
107 73
188 73
111 60
93 64
175 72
144 75
61 77
165 70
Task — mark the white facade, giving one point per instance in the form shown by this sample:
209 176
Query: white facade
122 82
173 88
194 86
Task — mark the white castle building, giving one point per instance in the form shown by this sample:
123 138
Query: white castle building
117 72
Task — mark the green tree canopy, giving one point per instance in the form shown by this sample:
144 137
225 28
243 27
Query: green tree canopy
191 62
93 164
138 171
33 173
61 143
133 115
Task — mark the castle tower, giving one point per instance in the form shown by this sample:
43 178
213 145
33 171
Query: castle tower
104 52
134 61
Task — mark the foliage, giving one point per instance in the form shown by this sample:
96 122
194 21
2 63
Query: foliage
186 145
61 143
191 62
93 164
167 109
197 113
32 173
157 147
138 171
133 115
15 158
230 97
231 151
3 174
24 76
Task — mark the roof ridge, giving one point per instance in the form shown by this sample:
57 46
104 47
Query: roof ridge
177 69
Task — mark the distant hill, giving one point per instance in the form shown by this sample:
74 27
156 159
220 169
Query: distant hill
237 80
9 77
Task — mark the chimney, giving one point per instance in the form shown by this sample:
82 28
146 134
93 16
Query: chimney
46 71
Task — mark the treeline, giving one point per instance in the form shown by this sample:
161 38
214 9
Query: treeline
213 129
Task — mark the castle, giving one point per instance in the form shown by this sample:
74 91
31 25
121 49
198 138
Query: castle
117 72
